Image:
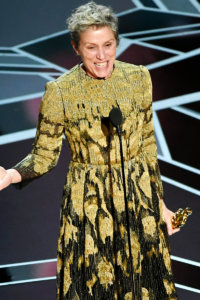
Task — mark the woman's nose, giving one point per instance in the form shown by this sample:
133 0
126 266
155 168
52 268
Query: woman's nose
100 53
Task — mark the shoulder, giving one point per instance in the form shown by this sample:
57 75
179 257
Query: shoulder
139 77
139 72
68 79
126 66
68 75
145 74
63 84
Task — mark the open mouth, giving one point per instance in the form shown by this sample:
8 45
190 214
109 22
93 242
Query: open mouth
101 65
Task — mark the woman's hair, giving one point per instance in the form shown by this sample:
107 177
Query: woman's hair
91 14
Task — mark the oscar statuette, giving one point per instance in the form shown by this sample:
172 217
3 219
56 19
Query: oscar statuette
180 217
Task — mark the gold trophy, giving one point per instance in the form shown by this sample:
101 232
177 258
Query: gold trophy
180 217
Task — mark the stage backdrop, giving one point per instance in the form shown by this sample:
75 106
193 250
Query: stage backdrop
163 35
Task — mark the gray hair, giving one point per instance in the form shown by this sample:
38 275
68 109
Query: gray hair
91 14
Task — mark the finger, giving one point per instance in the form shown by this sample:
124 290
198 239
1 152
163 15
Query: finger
2 172
175 230
6 181
172 230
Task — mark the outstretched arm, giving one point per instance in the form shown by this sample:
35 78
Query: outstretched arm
48 141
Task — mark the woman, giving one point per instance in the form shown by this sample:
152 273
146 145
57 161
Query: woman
93 254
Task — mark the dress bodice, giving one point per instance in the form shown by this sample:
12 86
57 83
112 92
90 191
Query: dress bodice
79 106
91 136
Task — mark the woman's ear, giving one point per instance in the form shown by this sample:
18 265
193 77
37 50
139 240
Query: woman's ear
75 48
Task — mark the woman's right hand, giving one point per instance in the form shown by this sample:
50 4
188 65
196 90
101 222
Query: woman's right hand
8 176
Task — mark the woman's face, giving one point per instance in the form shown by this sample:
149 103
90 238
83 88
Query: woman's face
97 48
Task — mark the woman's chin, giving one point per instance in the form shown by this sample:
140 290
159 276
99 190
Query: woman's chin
103 73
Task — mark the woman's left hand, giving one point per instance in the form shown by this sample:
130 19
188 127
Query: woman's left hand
168 214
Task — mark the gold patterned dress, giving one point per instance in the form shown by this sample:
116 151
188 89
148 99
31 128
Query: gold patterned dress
93 254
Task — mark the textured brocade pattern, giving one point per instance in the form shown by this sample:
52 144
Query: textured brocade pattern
48 139
93 256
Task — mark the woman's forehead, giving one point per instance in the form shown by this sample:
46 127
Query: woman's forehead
94 34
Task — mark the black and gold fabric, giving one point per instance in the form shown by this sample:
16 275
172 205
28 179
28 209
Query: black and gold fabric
93 255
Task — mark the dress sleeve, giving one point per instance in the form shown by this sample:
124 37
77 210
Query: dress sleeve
48 139
149 147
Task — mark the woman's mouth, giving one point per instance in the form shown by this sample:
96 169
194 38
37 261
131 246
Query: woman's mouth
101 65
